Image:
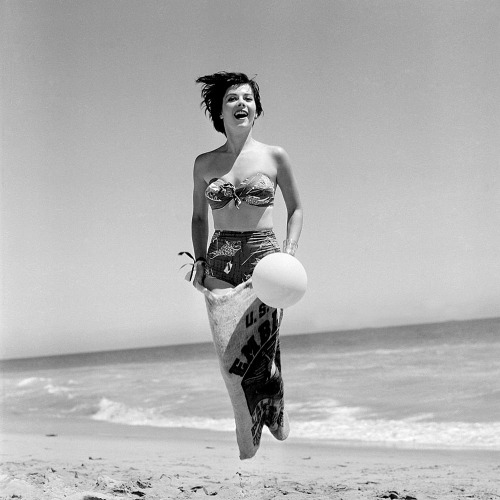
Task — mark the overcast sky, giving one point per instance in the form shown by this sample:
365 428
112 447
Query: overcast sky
389 111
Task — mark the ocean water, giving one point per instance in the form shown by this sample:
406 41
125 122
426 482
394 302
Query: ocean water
423 386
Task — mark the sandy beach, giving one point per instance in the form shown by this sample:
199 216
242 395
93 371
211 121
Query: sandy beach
94 460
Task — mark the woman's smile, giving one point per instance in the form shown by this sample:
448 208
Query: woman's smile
240 114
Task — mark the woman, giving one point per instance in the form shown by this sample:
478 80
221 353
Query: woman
238 180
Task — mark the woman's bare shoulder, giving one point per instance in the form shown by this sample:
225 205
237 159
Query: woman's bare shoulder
207 157
205 162
277 153
272 149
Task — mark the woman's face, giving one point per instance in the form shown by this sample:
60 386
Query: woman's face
238 106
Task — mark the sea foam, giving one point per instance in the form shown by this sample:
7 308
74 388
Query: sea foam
119 413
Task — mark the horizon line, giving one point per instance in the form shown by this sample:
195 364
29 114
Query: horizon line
209 342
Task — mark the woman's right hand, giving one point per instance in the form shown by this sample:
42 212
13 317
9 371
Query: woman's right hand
199 273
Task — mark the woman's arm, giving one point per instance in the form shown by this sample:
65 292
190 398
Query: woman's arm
289 188
199 220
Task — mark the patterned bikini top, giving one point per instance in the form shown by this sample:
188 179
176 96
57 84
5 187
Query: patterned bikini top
255 190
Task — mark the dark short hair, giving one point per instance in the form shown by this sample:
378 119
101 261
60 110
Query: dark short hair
213 89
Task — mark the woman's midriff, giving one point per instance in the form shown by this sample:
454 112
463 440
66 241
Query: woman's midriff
245 218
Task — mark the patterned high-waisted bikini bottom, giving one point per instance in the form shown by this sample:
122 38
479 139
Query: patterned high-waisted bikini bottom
232 255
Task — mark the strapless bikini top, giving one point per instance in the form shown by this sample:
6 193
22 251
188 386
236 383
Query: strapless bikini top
255 190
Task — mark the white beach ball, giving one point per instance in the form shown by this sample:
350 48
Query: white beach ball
279 280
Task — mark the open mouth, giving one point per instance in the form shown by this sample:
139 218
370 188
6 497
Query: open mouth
241 114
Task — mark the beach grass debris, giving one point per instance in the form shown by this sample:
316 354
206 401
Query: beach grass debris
143 484
394 495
